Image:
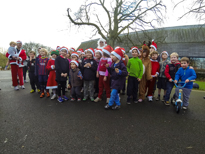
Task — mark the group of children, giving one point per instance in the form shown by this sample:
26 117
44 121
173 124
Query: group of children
94 70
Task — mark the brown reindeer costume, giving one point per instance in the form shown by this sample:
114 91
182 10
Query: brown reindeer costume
147 73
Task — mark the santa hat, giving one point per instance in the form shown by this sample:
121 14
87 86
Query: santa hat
165 53
99 50
79 50
118 53
123 50
58 48
72 49
18 42
56 52
83 53
74 54
64 48
154 45
135 48
108 49
91 50
117 47
75 61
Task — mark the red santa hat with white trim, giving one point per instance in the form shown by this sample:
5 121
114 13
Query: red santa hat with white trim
123 50
135 48
98 50
154 45
74 54
64 48
80 51
58 48
18 42
108 49
75 62
118 53
72 49
91 50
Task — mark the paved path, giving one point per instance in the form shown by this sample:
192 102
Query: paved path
30 125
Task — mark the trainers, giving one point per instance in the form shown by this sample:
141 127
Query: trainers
16 88
107 101
60 99
84 99
72 99
79 99
92 99
32 91
25 81
97 99
136 102
128 103
167 103
42 95
38 90
22 87
158 98
150 99
116 107
65 98
139 100
47 94
185 107
54 96
163 98
107 107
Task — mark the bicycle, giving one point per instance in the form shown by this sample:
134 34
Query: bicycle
178 103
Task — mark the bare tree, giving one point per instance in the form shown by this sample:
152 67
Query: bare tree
110 19
197 7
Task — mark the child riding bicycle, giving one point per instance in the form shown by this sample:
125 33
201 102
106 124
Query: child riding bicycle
186 75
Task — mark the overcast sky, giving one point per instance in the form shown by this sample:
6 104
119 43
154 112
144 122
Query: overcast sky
46 22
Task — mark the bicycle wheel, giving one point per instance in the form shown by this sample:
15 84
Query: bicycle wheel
178 107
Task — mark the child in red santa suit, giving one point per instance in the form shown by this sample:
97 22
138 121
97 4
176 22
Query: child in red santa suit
103 74
51 83
154 74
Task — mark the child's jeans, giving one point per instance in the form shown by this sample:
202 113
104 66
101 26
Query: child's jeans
76 92
186 94
114 97
170 85
89 87
42 81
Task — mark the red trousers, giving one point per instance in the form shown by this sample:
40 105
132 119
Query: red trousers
102 85
150 86
16 70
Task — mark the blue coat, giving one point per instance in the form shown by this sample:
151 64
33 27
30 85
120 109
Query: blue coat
118 80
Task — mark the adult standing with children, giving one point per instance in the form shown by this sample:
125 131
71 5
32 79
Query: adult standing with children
16 65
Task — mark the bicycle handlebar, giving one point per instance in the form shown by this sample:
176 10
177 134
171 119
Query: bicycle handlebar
183 83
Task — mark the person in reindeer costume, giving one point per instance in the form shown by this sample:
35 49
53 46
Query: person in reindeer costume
147 72
101 43
16 65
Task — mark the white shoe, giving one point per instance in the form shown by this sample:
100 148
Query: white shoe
54 96
16 88
119 96
184 107
108 99
150 98
22 87
25 81
97 99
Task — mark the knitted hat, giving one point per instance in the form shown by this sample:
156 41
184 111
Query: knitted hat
80 51
18 42
75 61
58 48
154 45
72 49
165 53
108 49
118 53
64 48
98 50
74 54
135 48
56 52
91 50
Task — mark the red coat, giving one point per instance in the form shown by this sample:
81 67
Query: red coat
51 83
155 67
22 56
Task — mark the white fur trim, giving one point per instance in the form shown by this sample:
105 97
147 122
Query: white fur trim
72 50
116 55
78 51
74 54
73 61
152 40
98 43
64 49
52 66
20 59
107 52
99 52
51 87
18 42
135 49
153 47
123 51
90 51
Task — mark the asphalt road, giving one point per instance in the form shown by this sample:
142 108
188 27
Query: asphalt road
30 125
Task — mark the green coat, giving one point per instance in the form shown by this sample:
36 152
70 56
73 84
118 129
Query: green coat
135 67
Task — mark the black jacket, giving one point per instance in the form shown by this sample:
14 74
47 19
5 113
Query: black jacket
90 72
61 66
31 65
